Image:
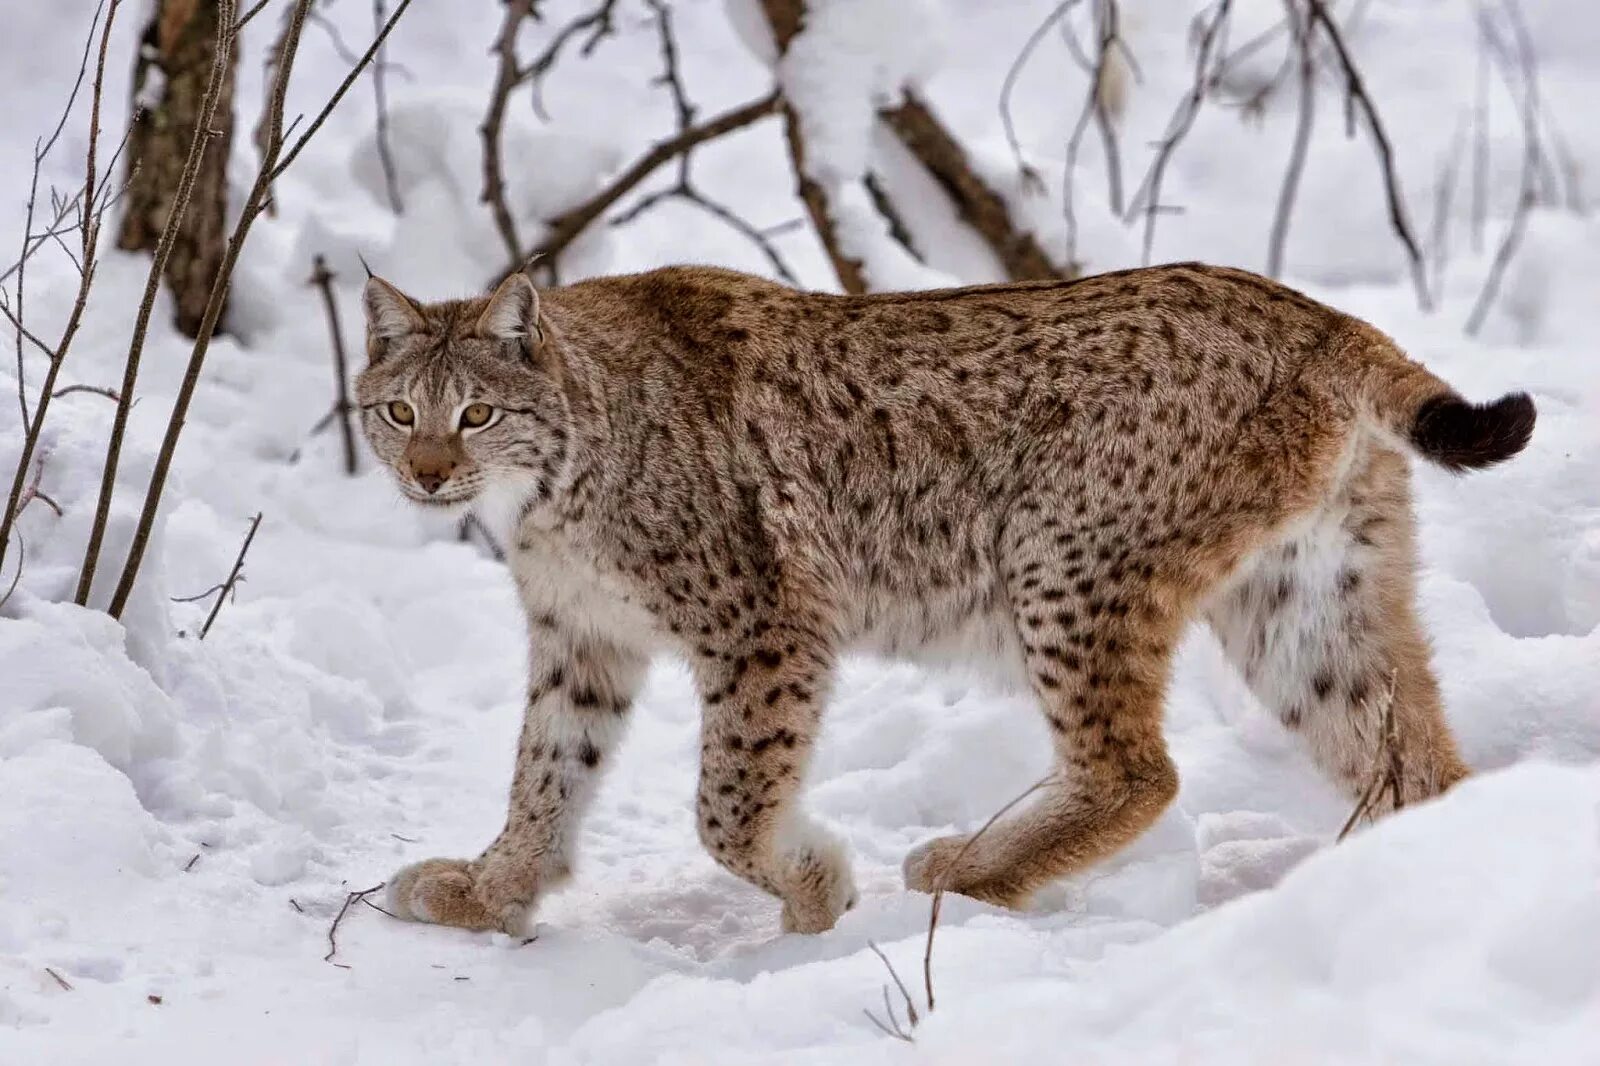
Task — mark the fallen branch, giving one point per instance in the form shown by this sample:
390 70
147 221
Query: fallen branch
322 278
349 901
233 576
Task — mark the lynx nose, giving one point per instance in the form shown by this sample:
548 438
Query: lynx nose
432 475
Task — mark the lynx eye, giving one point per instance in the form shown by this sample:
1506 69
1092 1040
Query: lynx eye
401 414
476 416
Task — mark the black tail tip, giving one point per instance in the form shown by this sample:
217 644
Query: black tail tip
1459 435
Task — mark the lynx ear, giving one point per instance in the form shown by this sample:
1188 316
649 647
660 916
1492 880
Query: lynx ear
390 312
512 313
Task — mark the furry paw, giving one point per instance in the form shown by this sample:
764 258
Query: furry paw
459 893
931 865
821 889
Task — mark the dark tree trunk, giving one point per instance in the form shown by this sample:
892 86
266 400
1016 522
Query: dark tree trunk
170 76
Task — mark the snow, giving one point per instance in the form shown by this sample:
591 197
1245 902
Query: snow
182 819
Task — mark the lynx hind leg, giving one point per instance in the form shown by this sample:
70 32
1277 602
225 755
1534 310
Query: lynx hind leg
1097 646
1324 629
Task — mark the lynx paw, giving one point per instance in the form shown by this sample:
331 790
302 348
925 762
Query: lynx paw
821 888
928 867
459 893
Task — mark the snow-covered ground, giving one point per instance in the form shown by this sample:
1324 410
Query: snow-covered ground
180 820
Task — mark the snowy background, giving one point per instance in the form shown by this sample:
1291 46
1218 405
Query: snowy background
181 820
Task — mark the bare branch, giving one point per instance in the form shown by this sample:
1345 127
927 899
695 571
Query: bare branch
1358 98
564 229
274 162
490 129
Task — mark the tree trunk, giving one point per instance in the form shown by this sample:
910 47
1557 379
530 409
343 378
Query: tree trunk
169 82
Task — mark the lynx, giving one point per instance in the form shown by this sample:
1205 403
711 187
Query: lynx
1048 479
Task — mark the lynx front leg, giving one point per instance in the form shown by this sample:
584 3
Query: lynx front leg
578 699
762 712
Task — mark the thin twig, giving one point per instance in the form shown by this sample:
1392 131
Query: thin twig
1386 765
333 929
1148 199
233 576
62 981
894 1029
1527 66
1031 181
98 390
88 215
322 278
1302 141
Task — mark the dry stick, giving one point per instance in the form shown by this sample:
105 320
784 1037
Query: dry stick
1302 141
272 167
939 890
322 278
380 97
1149 194
978 205
74 318
1527 66
1385 764
350 897
158 266
1030 176
1357 96
62 981
233 576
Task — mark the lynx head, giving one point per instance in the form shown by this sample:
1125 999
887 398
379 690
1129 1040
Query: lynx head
464 395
